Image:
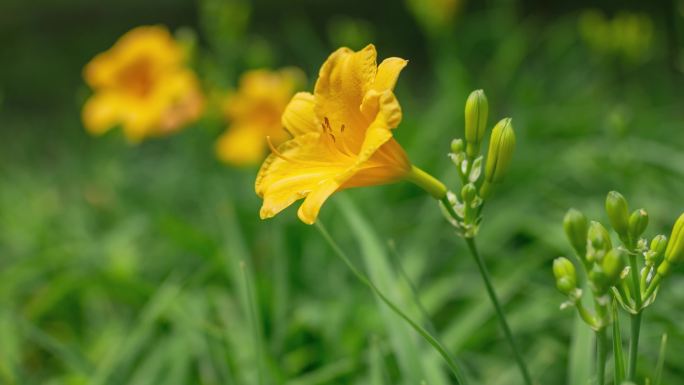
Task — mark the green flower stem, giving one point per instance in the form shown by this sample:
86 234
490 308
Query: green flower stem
653 285
586 316
495 301
601 356
432 340
633 345
449 208
618 357
635 320
427 182
601 344
642 281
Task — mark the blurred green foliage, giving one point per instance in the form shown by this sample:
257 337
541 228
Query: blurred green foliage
122 264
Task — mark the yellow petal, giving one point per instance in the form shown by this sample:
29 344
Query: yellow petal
297 168
241 145
388 164
299 117
101 112
152 45
383 104
308 211
343 81
139 121
388 73
153 42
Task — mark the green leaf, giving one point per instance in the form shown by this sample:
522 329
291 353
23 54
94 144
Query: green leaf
661 360
579 367
618 355
376 261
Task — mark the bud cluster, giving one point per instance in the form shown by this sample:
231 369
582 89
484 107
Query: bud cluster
602 263
466 155
631 271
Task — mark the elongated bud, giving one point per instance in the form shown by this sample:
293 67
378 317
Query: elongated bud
674 253
599 242
618 213
566 277
612 265
638 222
501 146
656 250
476 110
659 244
576 227
457 146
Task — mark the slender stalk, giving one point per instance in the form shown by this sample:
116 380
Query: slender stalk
502 317
451 363
601 343
584 313
601 356
635 320
618 356
653 285
449 208
634 345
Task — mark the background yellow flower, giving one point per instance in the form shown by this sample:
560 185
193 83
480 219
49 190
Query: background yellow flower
141 83
254 112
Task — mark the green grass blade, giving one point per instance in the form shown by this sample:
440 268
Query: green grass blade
396 261
579 367
455 369
378 372
254 321
661 360
618 355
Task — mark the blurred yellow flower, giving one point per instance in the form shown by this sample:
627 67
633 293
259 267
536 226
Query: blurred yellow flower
254 113
435 15
342 135
143 84
627 35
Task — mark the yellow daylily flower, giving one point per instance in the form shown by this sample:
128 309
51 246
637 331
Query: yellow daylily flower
254 112
143 84
342 137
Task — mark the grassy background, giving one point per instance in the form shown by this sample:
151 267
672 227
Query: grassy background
148 264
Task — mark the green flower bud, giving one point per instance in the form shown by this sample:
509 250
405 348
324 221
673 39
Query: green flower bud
658 244
476 109
599 242
637 223
457 146
599 237
618 213
674 252
566 277
576 227
469 193
655 252
598 280
612 265
501 146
